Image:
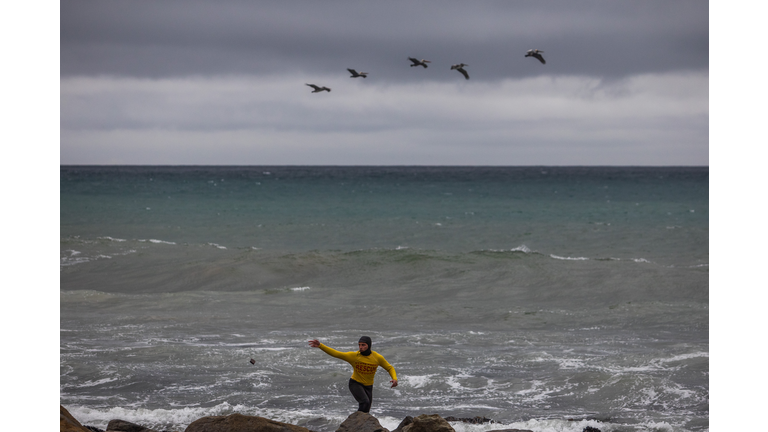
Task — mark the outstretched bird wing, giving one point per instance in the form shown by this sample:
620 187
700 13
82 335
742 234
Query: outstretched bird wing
463 72
537 54
314 87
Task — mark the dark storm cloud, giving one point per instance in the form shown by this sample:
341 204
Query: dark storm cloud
187 38
222 82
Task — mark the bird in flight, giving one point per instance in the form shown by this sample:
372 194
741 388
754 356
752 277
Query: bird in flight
318 89
537 54
356 74
417 62
460 67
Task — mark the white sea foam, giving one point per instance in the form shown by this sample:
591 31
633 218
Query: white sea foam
269 349
453 383
680 392
682 357
75 258
111 239
179 418
521 248
659 426
217 245
158 241
570 363
299 288
569 258
94 383
65 261
416 381
545 425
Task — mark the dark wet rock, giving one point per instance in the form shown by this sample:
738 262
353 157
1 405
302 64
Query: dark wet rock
406 421
361 422
428 423
591 429
241 423
126 426
93 428
67 423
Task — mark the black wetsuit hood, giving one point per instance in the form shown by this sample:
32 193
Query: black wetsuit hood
366 340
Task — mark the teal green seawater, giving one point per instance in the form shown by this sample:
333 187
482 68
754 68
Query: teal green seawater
529 295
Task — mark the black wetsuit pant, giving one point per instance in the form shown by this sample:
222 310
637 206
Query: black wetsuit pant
363 395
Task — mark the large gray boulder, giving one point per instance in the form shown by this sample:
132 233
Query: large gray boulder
428 423
361 422
241 423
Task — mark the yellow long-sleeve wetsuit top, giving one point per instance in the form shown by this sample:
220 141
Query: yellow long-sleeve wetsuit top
364 366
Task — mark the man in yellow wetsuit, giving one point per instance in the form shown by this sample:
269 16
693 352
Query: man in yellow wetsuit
364 362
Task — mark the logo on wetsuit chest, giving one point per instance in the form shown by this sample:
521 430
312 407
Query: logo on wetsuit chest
365 368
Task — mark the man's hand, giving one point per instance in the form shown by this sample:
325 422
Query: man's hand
394 383
314 343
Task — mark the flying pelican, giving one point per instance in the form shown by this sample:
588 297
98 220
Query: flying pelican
318 89
417 62
356 74
537 54
460 67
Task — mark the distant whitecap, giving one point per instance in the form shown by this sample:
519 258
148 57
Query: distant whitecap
111 239
569 258
521 248
158 241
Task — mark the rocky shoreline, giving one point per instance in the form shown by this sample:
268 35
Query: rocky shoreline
356 422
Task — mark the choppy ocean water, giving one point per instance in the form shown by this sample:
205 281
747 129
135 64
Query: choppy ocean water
544 298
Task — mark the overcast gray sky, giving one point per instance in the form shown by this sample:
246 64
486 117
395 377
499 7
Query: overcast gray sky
204 82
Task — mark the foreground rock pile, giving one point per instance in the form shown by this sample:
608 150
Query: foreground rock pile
357 422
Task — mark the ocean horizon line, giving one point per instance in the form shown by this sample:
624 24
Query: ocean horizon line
384 166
